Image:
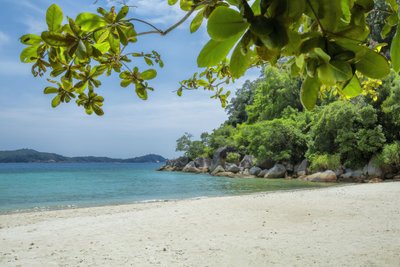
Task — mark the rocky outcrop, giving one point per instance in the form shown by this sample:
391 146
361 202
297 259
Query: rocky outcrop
219 157
326 176
301 168
255 171
202 162
278 171
226 174
247 162
233 168
191 167
266 164
262 173
352 176
372 170
217 170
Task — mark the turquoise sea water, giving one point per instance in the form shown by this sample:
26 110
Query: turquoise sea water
37 186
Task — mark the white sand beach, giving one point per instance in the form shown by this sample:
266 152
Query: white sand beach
355 225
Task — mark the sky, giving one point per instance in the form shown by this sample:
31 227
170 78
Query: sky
130 127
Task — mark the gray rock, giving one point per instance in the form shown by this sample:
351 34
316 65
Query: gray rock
202 162
266 164
233 168
301 168
326 176
372 170
175 164
278 171
288 166
247 162
219 157
262 173
352 176
191 167
226 174
217 170
255 171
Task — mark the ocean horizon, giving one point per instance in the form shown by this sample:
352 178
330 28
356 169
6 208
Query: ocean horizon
48 186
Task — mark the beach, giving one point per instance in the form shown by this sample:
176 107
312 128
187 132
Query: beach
351 225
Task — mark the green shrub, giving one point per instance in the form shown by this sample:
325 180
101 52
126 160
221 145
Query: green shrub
325 162
391 154
277 140
351 130
233 157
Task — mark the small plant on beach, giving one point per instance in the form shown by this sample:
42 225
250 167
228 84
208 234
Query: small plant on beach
325 162
391 154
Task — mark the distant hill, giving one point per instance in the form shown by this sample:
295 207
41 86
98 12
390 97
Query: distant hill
30 155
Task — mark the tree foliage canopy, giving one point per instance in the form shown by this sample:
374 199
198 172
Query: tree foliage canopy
324 41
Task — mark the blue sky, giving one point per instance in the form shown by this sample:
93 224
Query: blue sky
130 126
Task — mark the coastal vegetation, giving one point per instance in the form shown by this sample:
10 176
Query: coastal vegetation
267 121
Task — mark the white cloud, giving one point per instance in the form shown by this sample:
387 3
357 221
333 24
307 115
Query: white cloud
4 38
155 11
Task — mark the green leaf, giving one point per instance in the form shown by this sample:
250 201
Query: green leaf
214 52
309 92
50 90
30 39
54 17
373 65
141 92
395 50
224 23
342 70
89 21
149 74
29 54
326 74
240 62
125 83
172 2
56 101
197 21
353 88
56 39
99 111
122 13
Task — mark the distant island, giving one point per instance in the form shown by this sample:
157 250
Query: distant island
33 156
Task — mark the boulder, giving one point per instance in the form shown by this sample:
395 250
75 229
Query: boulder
396 178
352 176
226 174
375 180
217 170
301 168
288 166
262 173
372 170
326 176
191 167
278 171
178 164
219 157
255 171
266 164
202 163
247 162
233 168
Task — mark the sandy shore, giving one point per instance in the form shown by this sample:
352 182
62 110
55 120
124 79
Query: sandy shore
356 225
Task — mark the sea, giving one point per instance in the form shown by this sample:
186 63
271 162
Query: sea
26 187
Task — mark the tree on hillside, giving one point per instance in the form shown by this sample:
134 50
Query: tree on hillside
323 41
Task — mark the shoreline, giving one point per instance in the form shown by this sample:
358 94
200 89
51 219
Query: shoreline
340 225
75 207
